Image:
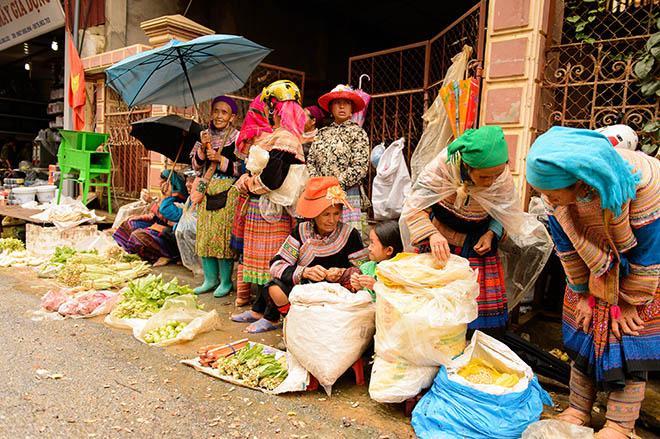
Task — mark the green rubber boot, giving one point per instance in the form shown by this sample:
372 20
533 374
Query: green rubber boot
226 266
210 267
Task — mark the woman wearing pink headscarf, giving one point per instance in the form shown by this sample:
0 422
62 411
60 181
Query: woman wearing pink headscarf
255 127
275 159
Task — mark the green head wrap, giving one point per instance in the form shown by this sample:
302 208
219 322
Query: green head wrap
484 147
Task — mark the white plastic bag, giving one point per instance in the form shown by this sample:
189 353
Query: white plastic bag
257 160
328 328
556 429
133 324
139 207
186 237
376 154
392 182
100 241
499 355
393 382
182 309
422 312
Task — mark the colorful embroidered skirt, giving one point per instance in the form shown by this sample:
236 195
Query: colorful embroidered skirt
135 237
602 356
493 311
353 216
238 226
262 241
214 227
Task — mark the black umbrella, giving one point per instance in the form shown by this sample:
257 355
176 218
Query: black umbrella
172 136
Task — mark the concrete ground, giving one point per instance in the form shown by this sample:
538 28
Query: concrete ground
102 382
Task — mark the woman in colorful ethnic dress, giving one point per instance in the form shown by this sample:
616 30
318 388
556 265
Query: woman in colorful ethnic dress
342 149
214 160
255 127
320 249
151 236
462 203
604 214
268 224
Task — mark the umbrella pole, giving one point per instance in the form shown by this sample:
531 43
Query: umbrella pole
192 92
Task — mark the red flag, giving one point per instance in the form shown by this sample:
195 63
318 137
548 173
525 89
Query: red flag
76 86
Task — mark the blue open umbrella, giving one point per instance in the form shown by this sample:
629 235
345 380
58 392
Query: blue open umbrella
180 73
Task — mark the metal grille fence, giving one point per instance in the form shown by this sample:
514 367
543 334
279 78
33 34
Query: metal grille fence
590 85
130 159
405 80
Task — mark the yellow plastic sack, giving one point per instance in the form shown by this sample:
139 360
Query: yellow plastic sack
422 312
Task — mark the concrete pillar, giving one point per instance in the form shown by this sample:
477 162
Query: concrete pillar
513 68
158 31
116 16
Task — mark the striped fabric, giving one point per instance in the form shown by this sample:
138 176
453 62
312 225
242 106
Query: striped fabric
353 217
602 356
301 254
493 312
492 302
579 231
262 241
238 225
135 237
632 267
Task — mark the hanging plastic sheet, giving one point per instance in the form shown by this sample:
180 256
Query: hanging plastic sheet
438 131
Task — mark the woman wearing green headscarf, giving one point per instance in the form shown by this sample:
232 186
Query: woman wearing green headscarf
463 203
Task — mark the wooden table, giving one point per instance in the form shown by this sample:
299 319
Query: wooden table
26 215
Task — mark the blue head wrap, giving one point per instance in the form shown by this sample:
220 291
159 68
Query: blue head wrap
562 156
178 184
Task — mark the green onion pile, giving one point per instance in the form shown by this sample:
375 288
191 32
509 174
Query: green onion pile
255 368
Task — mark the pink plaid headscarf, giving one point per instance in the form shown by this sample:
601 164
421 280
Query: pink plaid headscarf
293 117
255 123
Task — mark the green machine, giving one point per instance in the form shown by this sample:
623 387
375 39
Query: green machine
78 152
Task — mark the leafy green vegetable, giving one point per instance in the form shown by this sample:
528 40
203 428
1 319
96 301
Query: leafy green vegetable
251 365
145 296
11 244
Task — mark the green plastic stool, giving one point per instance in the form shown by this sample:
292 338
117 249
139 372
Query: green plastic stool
77 152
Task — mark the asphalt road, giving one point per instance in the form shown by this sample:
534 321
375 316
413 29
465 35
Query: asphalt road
83 379
80 378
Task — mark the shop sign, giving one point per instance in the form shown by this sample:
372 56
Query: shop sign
22 20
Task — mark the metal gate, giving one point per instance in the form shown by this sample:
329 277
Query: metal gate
130 159
590 85
406 79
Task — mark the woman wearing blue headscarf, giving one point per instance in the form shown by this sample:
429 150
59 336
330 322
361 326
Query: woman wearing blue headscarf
151 236
604 214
